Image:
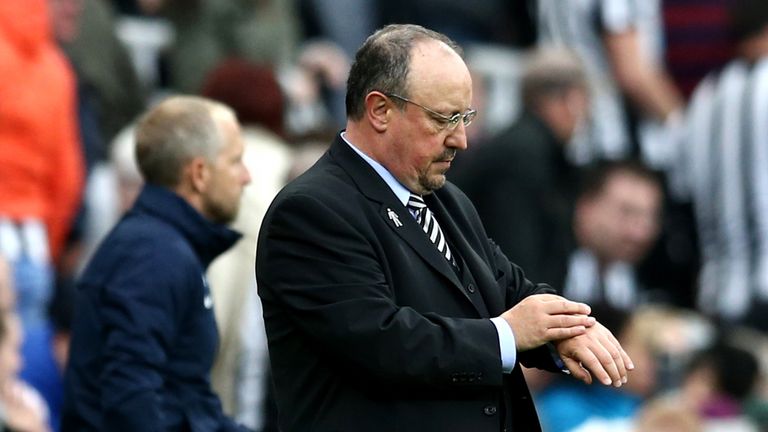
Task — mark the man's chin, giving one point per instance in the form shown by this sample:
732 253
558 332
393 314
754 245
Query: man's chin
224 218
433 183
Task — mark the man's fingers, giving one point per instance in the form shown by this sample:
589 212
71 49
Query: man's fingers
559 333
598 352
620 357
565 321
627 360
608 357
566 307
590 362
618 360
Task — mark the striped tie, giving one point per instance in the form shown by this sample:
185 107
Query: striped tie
428 223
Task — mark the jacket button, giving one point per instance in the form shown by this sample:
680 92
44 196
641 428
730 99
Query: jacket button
489 410
471 288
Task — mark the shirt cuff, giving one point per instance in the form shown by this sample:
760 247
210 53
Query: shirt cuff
506 344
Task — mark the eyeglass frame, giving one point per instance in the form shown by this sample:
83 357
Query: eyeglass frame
449 122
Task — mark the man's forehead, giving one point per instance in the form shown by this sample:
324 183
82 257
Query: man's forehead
434 62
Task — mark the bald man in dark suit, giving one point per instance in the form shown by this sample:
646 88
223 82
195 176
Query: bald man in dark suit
386 306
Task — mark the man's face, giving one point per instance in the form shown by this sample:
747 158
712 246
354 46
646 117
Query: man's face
621 222
576 101
228 177
421 146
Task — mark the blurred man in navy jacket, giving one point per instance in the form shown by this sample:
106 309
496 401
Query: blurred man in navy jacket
144 334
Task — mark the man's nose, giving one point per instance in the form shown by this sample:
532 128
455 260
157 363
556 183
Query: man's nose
246 176
458 137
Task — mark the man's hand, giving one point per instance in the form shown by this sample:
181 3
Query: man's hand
543 318
595 353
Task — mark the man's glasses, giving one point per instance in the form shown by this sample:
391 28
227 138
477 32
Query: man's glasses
449 122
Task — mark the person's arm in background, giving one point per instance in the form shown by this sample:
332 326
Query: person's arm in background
645 83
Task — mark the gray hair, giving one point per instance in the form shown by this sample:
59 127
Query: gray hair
174 132
383 63
551 71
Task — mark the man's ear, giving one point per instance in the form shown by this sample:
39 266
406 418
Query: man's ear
197 173
378 110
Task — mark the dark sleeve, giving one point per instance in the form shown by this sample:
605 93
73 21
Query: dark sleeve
138 309
519 287
512 277
325 272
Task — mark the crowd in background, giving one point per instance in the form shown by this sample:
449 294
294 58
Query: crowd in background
620 154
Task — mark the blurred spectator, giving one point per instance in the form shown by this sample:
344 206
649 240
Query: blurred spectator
636 112
620 43
240 372
22 408
111 190
616 222
209 31
756 342
717 383
65 21
148 36
41 176
144 334
527 204
727 162
316 87
41 157
661 416
85 27
341 26
347 23
108 96
251 90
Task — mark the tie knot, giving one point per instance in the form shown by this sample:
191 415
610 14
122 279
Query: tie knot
416 202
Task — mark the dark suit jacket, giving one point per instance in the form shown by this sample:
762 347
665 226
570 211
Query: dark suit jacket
369 328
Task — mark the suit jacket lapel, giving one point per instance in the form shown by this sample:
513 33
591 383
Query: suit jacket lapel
411 233
402 223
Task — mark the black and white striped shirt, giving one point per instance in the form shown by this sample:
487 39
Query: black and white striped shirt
581 25
725 158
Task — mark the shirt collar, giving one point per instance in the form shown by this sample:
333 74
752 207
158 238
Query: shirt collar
402 193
